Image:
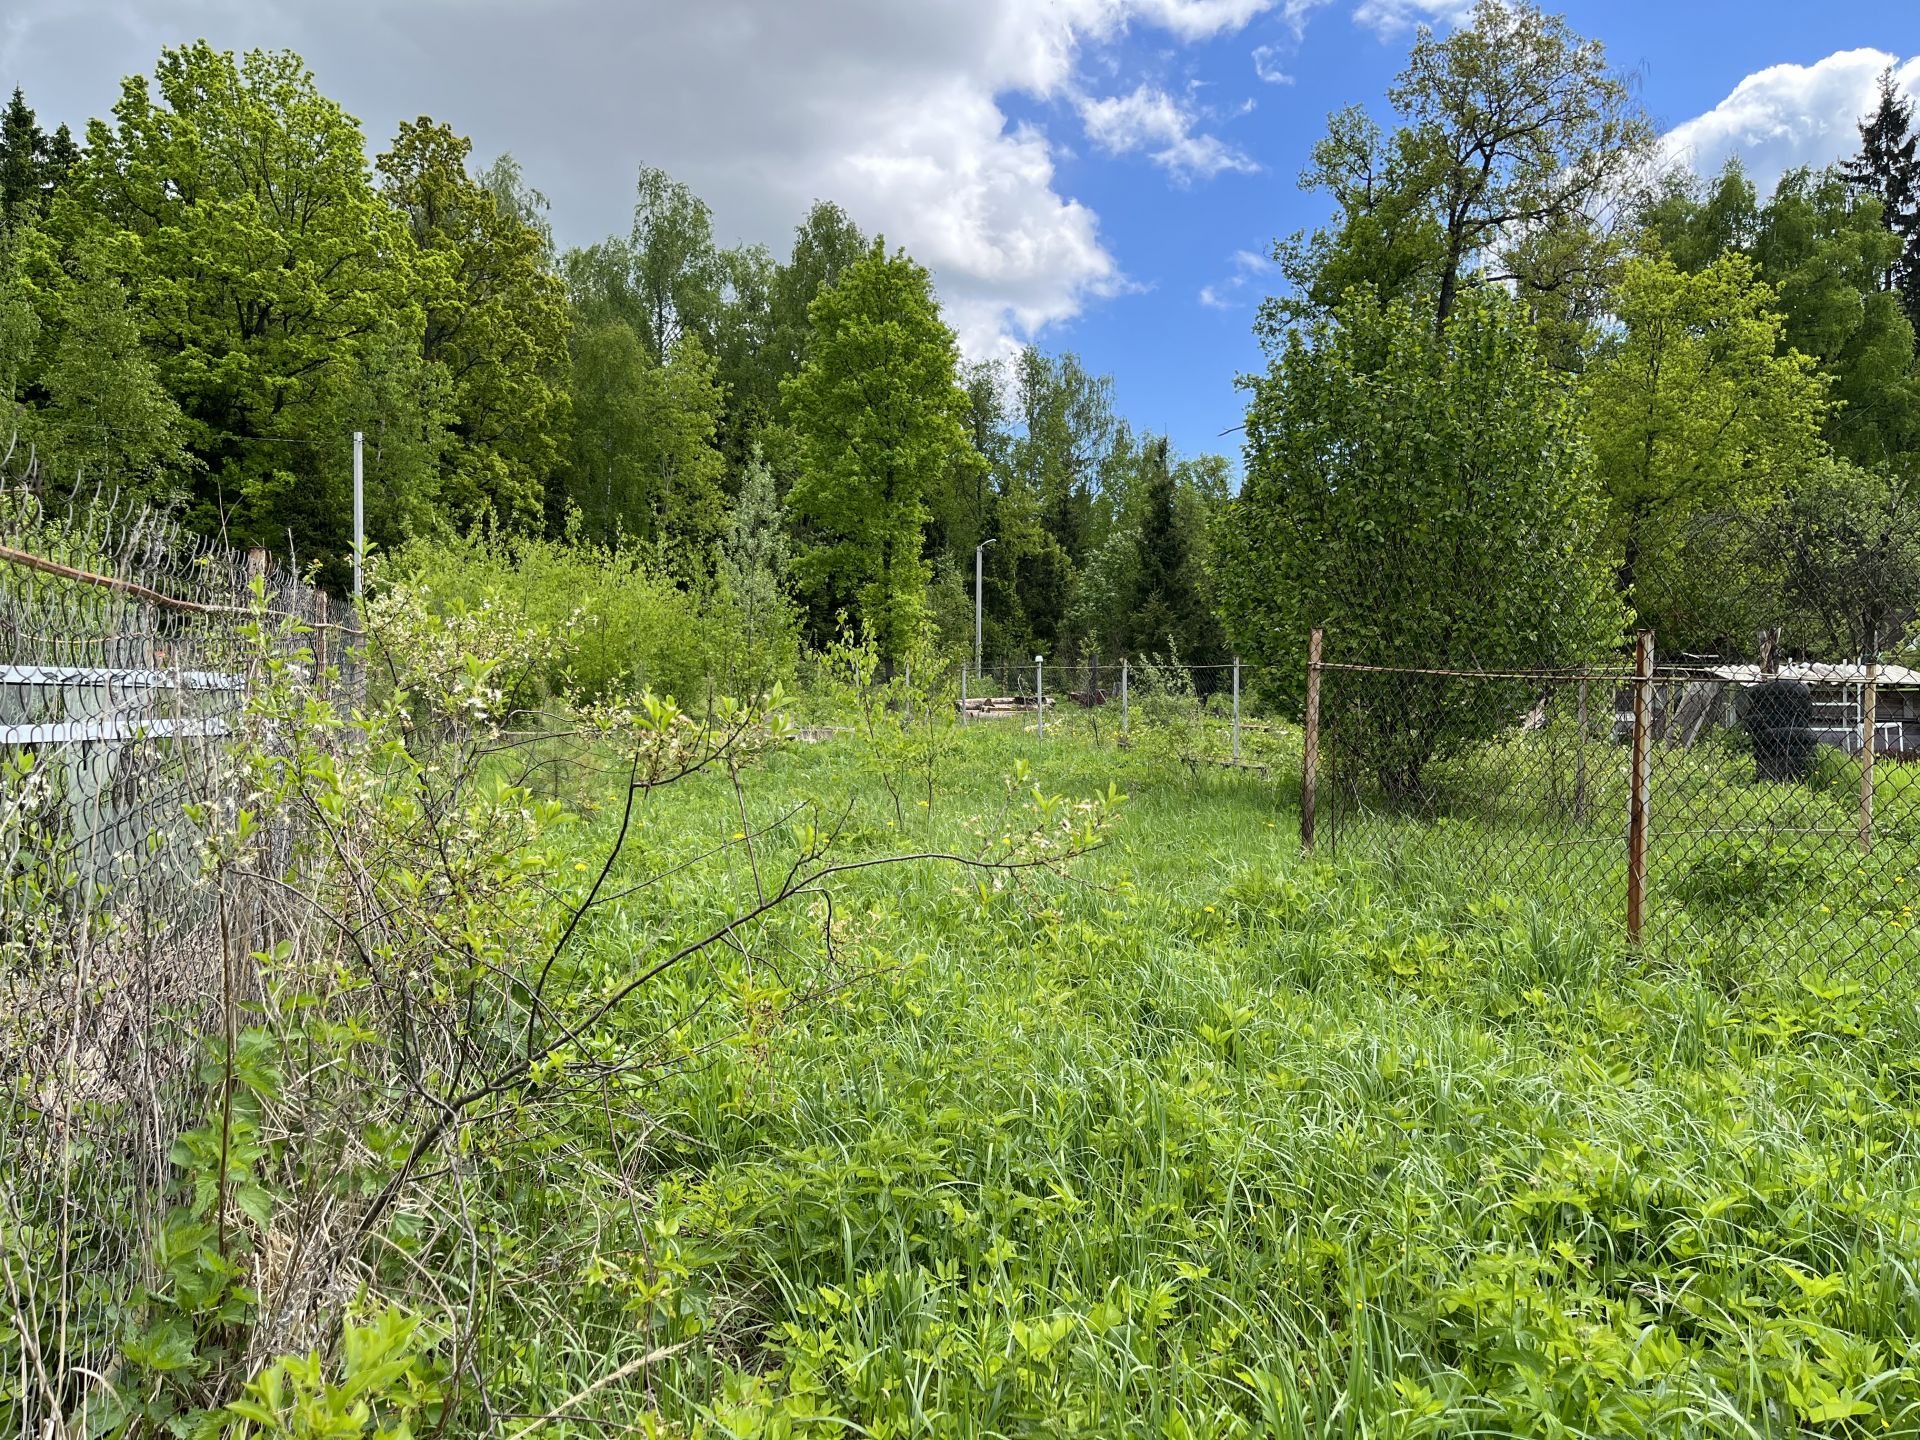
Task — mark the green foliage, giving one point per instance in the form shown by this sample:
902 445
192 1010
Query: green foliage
1700 423
751 568
387 1388
1514 133
880 417
1887 167
107 416
495 324
1170 610
610 621
643 467
235 206
1427 498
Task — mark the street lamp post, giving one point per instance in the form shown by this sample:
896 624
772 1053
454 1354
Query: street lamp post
979 569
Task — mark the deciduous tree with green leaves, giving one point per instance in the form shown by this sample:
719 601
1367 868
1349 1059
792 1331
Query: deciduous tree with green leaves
235 204
495 321
1514 135
1700 422
880 415
1427 497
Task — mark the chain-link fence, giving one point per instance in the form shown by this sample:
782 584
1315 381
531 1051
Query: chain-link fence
126 651
1722 814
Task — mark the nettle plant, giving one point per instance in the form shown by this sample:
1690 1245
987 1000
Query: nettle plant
430 975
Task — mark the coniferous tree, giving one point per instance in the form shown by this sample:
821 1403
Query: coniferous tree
1169 613
1887 169
23 155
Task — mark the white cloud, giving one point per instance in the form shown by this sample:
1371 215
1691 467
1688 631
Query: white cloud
1154 122
1250 270
894 110
1266 64
1789 115
1392 18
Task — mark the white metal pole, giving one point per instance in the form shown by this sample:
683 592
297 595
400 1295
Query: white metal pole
1039 694
1123 695
359 517
1236 709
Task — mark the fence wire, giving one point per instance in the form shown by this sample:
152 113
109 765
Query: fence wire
1778 822
126 647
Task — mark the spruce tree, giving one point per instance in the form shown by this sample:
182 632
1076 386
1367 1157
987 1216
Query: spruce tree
1887 169
23 153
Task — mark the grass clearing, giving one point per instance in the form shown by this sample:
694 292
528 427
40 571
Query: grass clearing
1216 1140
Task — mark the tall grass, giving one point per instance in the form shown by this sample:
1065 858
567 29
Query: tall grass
1219 1141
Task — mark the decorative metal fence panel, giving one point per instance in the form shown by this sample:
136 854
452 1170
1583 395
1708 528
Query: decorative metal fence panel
126 651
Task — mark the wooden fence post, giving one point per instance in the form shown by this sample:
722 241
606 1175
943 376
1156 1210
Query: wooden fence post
1310 753
320 637
1640 789
1867 708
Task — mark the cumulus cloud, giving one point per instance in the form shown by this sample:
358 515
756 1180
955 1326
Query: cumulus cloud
894 110
1151 121
1789 115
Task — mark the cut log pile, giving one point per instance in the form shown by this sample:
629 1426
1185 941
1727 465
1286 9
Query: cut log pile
993 707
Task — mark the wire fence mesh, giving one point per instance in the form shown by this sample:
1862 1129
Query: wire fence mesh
1708 814
126 652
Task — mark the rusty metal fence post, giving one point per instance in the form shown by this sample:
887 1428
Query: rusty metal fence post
1640 789
1310 753
1867 727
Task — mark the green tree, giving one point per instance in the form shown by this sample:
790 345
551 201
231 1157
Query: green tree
825 246
1170 608
236 205
643 466
1823 250
751 567
1700 423
1515 135
107 418
1848 546
495 321
23 159
880 417
1888 169
1426 496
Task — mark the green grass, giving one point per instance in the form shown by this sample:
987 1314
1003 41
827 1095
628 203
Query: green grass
1213 1139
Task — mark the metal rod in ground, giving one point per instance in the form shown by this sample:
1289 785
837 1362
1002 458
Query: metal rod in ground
1310 750
1580 755
1039 695
359 517
1639 795
1123 695
1868 707
1236 709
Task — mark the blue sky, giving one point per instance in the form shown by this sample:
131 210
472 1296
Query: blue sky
1175 358
1098 175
